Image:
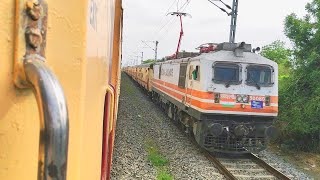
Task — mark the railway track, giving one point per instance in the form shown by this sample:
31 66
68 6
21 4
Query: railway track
242 167
247 166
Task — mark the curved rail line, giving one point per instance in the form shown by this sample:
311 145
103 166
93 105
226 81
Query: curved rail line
241 165
228 165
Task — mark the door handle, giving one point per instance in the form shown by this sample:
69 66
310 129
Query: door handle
54 121
110 91
31 71
107 130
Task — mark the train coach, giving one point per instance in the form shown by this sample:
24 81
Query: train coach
227 98
59 88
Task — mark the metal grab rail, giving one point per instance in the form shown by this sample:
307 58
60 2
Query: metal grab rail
110 91
30 70
54 122
106 159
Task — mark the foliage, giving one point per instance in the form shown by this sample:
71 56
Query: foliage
277 52
158 160
148 61
300 92
163 175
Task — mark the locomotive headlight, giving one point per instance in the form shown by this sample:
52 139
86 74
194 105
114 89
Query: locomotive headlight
241 98
217 98
267 100
246 99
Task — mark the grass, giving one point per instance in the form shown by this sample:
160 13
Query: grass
158 161
127 85
307 162
164 175
155 157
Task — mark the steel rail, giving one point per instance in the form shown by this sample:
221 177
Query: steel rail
267 167
54 121
223 170
219 166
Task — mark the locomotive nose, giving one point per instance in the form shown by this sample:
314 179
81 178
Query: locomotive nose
271 132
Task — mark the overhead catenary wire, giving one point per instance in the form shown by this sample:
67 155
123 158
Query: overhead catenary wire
166 30
171 6
223 10
184 6
148 45
160 33
181 9
169 22
229 7
157 30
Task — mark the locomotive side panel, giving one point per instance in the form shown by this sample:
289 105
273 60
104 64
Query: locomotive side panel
150 78
142 76
166 80
145 76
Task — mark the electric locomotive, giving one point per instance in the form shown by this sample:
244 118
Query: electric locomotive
227 96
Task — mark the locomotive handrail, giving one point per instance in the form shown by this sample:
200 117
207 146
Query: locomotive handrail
54 121
107 130
110 90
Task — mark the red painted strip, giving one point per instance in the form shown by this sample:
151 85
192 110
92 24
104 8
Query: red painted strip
107 140
213 106
200 94
174 94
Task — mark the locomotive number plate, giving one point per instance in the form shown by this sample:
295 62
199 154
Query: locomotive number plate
256 104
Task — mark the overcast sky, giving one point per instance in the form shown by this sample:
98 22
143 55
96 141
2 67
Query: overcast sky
260 22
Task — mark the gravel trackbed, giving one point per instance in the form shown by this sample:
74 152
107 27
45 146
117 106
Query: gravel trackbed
139 121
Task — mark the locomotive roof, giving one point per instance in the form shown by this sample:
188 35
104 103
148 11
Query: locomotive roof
142 65
248 57
226 56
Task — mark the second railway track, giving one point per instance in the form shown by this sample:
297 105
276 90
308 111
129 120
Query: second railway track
247 166
241 167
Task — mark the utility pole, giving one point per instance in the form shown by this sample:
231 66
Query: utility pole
141 57
233 26
155 49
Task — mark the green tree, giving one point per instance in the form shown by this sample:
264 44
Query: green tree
300 93
277 52
148 61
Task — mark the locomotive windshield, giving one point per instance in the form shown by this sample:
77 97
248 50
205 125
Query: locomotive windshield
259 75
226 73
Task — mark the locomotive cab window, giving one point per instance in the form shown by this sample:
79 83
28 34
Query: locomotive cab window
226 73
194 73
259 75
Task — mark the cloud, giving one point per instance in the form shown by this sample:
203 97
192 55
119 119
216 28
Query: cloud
259 22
